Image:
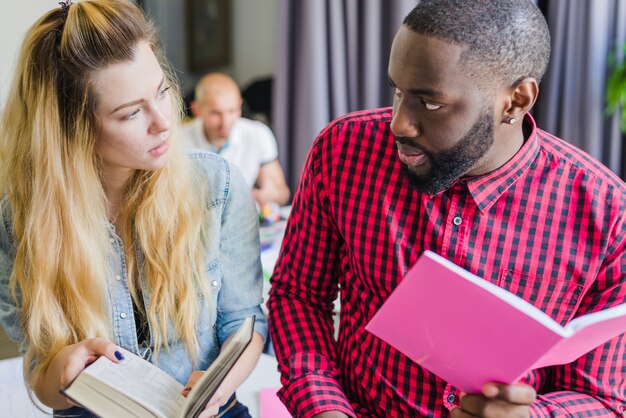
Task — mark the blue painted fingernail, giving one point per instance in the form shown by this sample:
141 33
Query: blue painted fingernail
119 355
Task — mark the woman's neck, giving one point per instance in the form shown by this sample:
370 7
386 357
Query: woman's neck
114 186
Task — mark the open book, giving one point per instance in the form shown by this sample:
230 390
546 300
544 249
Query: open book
469 331
138 388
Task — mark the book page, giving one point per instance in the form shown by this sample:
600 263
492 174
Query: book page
588 332
142 381
455 326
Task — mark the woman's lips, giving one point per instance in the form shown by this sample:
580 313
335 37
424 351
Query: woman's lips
160 150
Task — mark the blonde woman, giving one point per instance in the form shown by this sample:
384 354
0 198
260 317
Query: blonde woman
110 236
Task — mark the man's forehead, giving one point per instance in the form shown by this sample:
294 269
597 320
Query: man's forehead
411 46
428 59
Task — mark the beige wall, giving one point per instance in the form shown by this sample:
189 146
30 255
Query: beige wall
15 19
254 28
254 43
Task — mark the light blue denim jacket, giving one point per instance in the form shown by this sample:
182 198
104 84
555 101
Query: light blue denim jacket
232 263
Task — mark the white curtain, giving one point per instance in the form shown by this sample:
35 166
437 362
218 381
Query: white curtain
332 59
571 99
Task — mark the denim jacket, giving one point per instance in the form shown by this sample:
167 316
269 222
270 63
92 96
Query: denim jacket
232 264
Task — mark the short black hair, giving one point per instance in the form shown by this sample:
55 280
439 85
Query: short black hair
504 39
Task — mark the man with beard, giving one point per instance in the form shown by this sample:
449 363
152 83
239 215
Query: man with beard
457 167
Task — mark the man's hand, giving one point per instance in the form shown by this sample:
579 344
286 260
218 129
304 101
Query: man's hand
497 401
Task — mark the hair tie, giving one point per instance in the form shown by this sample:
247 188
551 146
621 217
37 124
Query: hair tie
65 5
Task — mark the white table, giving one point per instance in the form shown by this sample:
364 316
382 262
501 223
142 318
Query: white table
13 395
271 239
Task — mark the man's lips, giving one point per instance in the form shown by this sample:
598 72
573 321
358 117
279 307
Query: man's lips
411 156
412 160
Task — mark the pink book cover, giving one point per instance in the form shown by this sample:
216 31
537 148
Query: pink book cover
271 406
470 332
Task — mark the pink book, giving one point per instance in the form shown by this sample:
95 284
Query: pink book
469 331
271 406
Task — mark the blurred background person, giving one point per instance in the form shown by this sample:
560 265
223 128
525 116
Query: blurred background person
250 145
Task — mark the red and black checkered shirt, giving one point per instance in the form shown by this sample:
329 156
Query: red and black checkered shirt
548 226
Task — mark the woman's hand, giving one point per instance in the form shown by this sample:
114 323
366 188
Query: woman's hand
240 371
215 403
67 364
217 400
193 378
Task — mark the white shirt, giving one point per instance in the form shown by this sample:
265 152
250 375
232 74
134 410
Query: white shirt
250 145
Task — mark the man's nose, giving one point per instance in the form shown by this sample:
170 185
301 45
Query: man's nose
403 122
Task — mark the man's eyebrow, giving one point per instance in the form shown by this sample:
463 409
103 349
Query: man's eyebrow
436 94
134 102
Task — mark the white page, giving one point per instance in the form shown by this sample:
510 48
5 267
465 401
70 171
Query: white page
152 387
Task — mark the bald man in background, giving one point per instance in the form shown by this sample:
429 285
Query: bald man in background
250 145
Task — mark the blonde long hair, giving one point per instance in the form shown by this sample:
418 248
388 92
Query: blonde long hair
50 175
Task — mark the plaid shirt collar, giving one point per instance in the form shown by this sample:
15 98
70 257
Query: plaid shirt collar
486 189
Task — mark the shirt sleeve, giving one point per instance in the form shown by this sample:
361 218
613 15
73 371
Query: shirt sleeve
242 279
10 311
268 151
304 286
594 384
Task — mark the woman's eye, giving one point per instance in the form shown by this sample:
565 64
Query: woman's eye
132 115
162 92
431 106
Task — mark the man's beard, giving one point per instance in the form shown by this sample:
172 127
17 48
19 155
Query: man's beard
450 165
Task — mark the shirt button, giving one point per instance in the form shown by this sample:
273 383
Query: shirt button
123 315
457 220
118 278
451 398
214 283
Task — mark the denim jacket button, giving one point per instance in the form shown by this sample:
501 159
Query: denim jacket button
123 315
214 283
118 278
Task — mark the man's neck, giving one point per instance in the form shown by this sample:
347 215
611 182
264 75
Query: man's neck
217 143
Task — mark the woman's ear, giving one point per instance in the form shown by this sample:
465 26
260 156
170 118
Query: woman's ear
519 99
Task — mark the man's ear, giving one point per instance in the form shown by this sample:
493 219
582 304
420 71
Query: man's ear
519 99
195 108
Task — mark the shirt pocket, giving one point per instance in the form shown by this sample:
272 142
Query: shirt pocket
556 297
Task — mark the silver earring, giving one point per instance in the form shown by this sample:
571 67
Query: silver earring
511 121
